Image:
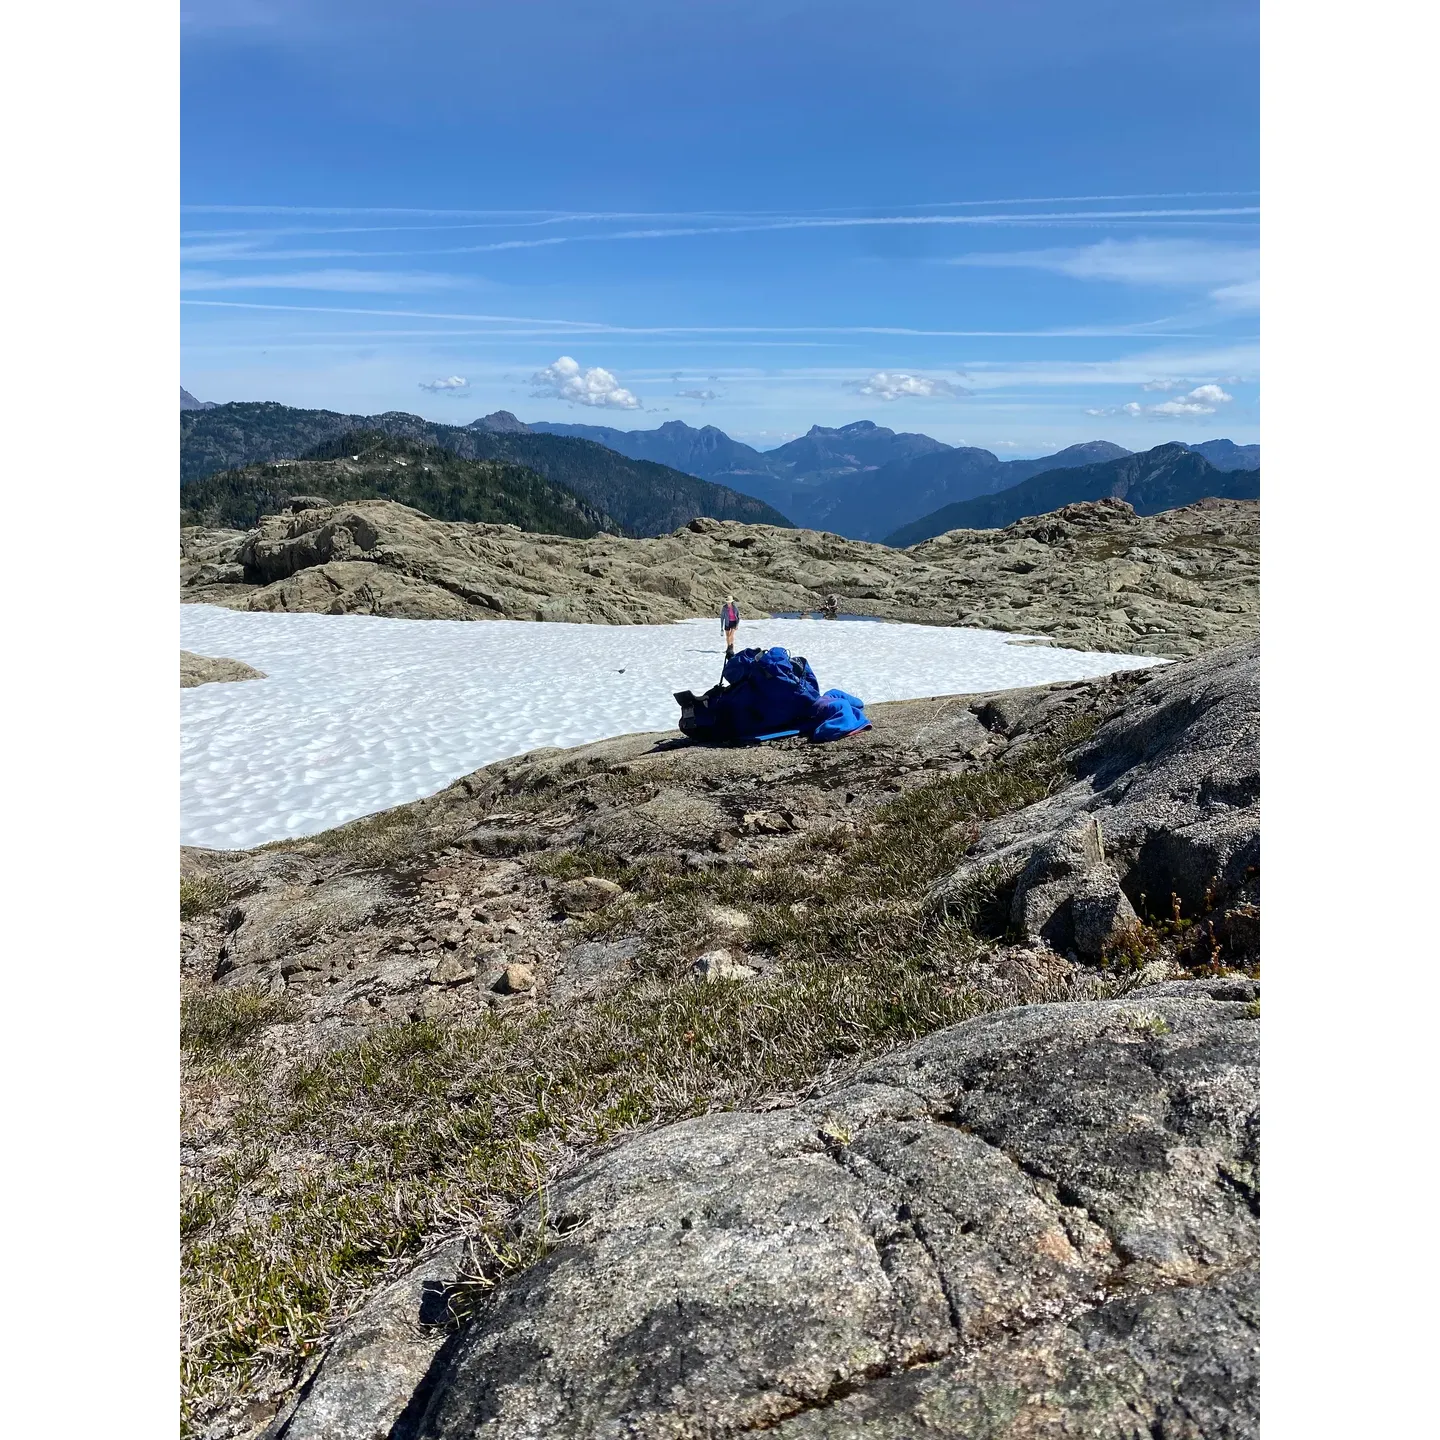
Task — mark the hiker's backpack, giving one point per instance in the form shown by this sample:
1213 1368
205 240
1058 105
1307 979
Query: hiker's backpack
764 694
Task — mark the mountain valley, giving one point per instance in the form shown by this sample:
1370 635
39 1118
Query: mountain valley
861 480
1164 478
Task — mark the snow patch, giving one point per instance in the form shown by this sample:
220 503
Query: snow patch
359 714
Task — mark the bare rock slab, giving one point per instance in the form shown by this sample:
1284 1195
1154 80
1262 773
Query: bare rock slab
370 1376
1043 1221
1167 804
207 670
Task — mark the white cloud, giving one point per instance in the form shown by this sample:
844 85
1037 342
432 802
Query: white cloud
1180 407
1206 393
1135 262
376 282
897 385
1230 272
1210 395
1244 295
564 380
697 394
1202 400
450 385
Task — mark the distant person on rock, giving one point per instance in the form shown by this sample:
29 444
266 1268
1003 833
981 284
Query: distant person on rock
729 623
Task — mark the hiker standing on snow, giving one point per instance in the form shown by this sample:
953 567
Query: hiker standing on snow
729 623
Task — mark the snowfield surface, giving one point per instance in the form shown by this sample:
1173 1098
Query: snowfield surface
359 714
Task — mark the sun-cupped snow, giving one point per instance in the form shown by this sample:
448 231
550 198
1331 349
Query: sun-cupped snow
357 714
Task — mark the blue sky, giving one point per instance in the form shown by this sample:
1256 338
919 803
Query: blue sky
1015 226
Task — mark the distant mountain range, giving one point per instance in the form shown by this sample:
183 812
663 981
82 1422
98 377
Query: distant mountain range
644 498
869 505
1227 455
860 480
368 465
810 479
1160 479
706 452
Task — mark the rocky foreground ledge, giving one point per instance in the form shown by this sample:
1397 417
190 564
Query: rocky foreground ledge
1092 575
1041 1222
896 1088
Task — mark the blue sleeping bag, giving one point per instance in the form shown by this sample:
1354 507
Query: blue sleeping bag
765 694
841 714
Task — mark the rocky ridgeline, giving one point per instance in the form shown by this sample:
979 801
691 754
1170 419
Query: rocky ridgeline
1091 575
1042 1220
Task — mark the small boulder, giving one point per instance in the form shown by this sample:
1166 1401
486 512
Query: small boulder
436 1004
1010 713
208 670
1069 897
767 822
1100 913
579 897
515 979
493 841
717 965
212 573
452 970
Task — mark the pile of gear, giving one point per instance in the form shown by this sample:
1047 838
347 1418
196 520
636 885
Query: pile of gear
767 694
